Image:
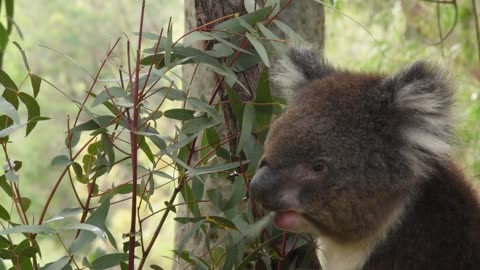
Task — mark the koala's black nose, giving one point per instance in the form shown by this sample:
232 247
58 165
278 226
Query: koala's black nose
264 186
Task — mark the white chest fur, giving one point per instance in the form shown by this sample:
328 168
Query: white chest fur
352 256
334 256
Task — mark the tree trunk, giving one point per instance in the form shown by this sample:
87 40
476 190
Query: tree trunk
305 17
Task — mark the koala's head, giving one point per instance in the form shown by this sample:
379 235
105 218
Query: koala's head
351 146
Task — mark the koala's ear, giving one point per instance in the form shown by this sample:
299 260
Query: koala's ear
298 67
422 100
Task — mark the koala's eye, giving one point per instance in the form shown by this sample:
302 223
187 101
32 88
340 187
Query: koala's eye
319 166
263 163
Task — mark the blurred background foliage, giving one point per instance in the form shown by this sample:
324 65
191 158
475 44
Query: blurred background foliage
65 41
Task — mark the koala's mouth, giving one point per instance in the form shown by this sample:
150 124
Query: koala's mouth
292 221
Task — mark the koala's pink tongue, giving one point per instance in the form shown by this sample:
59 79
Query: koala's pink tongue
291 221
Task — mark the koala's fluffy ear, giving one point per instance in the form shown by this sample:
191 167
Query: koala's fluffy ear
298 67
422 99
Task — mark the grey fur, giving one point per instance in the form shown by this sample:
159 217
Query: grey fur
423 97
298 67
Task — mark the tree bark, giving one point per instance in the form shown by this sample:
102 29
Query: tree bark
305 17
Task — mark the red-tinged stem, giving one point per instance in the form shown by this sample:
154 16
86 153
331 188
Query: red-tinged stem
279 12
282 254
154 59
134 148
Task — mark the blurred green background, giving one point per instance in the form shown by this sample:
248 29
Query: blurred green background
399 32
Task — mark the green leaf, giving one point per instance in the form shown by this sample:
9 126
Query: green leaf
24 57
170 206
5 186
179 114
177 145
168 46
4 214
221 222
220 50
214 220
29 252
188 197
143 145
199 124
97 218
215 197
33 110
4 243
114 92
8 109
247 126
291 34
198 56
77 168
163 175
26 202
196 226
239 192
212 137
3 38
215 168
195 36
7 82
197 188
61 161
233 25
153 135
65 213
126 188
9 4
11 96
251 5
245 25
89 125
171 93
108 261
280 48
228 43
202 106
263 106
36 82
87 227
36 229
259 48
59 264
108 148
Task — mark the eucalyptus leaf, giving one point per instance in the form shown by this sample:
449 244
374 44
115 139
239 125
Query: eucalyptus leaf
216 168
4 214
61 161
59 264
33 110
108 93
108 261
247 126
8 109
259 48
233 25
65 213
36 229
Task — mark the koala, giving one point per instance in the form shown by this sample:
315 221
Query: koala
363 162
